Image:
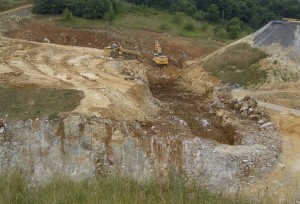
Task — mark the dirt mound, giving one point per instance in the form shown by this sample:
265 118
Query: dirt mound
271 60
285 33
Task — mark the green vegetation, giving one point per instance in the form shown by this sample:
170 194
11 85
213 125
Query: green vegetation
255 13
229 15
237 65
141 18
213 13
90 9
9 4
13 189
31 102
234 27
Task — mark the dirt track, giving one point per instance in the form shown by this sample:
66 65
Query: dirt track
283 182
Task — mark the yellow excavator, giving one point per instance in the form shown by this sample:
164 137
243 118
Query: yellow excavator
158 57
114 51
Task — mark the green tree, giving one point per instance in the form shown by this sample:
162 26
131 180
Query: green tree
234 27
173 8
67 14
213 13
262 16
49 6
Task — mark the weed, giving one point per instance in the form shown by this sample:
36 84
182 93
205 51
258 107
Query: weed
177 19
32 102
106 189
52 116
237 65
163 26
68 92
204 27
189 26
143 18
67 14
38 112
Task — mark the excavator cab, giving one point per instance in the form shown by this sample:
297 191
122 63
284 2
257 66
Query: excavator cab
158 57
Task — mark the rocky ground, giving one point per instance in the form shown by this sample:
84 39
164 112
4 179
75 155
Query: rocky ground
134 119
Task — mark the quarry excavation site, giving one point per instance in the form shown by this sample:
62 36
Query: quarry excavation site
68 108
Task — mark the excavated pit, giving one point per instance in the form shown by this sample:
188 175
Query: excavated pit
185 136
192 109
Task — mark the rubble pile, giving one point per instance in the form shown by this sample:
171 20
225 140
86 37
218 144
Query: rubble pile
223 104
133 69
246 107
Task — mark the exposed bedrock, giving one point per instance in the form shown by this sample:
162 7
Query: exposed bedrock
84 147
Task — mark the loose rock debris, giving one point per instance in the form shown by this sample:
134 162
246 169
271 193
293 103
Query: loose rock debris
121 128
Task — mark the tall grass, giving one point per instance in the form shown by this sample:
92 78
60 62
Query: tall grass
238 65
31 102
13 189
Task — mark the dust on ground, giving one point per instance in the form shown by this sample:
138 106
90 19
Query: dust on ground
83 69
282 184
118 89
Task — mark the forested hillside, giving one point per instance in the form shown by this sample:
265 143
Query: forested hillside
254 13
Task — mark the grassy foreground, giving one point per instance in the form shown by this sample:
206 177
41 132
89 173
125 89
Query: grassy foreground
13 189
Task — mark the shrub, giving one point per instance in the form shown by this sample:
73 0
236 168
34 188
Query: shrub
198 16
204 27
176 19
234 27
52 116
163 26
213 13
107 16
238 65
189 26
67 14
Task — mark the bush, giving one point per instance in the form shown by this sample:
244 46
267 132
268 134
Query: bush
198 16
204 27
107 16
238 65
87 9
176 19
163 26
213 13
220 31
67 14
234 27
189 26
49 7
52 116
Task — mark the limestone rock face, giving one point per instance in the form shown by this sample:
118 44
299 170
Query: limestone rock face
83 147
